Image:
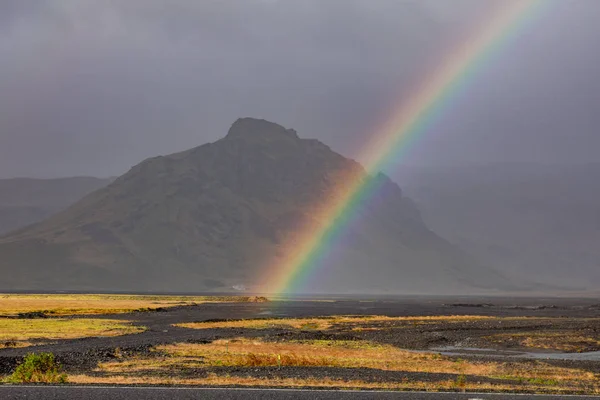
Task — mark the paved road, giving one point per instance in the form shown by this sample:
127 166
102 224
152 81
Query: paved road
124 393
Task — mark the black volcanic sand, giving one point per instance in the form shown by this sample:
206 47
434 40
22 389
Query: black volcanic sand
83 355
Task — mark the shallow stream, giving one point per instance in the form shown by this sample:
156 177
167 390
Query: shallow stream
538 355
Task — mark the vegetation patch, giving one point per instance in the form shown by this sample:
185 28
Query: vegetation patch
249 353
38 368
23 332
323 323
180 364
48 305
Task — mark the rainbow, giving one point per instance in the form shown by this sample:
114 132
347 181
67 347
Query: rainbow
410 120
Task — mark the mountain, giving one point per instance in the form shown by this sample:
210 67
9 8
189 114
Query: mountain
539 223
24 201
220 215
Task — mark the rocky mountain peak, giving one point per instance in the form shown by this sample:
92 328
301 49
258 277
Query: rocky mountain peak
259 129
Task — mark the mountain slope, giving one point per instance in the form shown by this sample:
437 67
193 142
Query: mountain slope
539 223
218 215
24 201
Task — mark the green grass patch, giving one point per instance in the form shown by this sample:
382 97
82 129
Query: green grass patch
38 368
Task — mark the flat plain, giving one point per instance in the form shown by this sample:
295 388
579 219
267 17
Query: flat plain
531 345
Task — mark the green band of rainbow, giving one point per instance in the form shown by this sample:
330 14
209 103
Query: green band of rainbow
411 120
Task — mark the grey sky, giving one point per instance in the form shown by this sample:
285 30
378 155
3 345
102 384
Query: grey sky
91 87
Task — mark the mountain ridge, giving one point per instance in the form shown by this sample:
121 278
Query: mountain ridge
25 201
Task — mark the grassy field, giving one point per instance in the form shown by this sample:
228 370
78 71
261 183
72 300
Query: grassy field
94 304
20 327
244 352
171 364
352 322
26 332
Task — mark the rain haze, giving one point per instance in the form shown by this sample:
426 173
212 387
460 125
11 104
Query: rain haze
94 87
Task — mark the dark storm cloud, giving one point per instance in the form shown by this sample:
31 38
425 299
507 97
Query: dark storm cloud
92 87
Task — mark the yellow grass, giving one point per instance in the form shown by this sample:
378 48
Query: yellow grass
171 364
324 323
22 331
249 353
90 304
563 341
321 382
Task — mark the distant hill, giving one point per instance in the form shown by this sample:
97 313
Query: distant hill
24 201
216 216
538 223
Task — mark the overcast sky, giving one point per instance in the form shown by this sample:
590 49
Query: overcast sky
92 87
